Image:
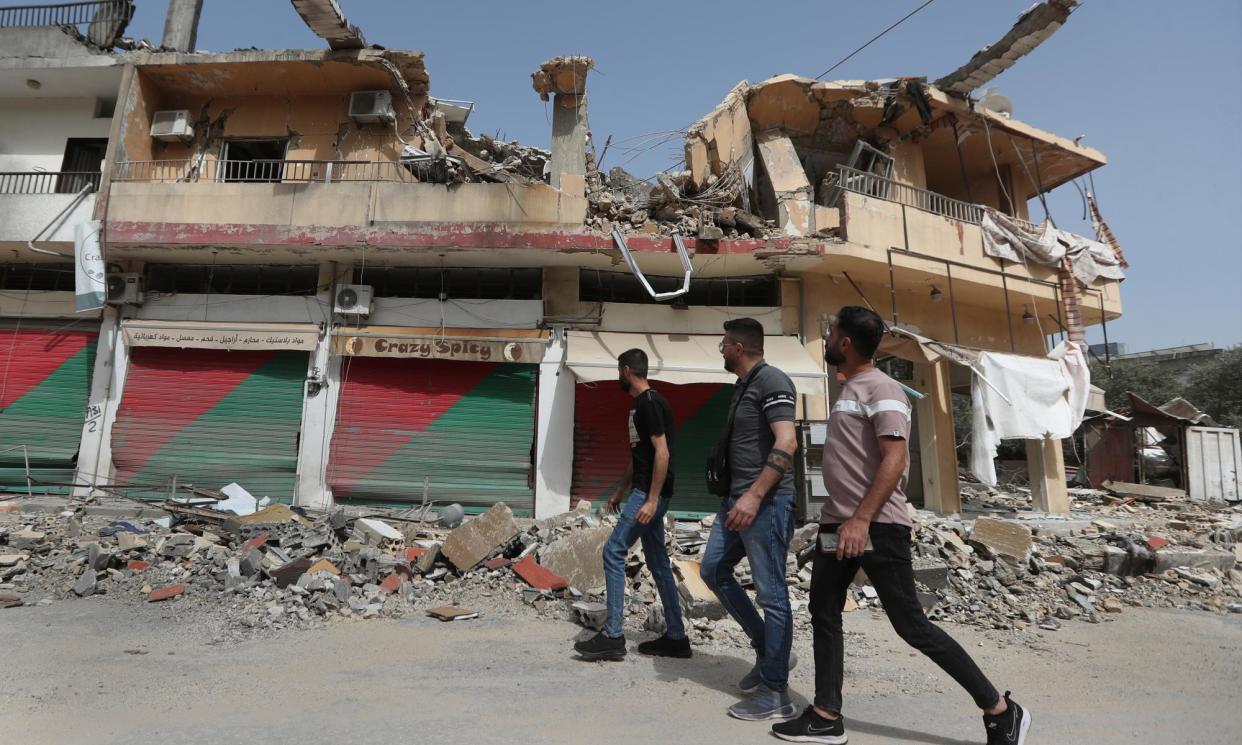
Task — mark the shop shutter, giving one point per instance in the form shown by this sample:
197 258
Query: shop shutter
468 426
45 380
601 439
210 417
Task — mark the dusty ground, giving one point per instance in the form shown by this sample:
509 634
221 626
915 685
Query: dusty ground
100 671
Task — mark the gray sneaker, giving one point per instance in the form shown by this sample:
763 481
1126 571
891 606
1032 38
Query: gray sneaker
751 680
764 703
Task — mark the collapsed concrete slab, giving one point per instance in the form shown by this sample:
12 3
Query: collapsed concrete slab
477 539
1003 538
579 557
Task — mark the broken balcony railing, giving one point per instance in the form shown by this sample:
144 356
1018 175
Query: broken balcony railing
863 182
47 182
265 171
80 15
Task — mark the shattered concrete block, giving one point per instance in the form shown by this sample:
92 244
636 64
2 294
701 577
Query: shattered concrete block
697 599
126 541
1003 538
8 560
590 615
251 562
1172 557
26 538
377 532
578 557
288 573
538 576
933 573
427 561
477 539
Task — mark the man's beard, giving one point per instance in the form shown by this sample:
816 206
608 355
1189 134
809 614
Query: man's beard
833 356
728 365
625 384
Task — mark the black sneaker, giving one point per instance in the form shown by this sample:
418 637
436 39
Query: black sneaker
601 647
1010 726
666 647
811 727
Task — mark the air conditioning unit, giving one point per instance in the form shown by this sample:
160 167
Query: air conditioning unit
172 126
353 300
370 107
125 289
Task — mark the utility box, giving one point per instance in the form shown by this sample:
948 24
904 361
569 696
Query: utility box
1213 464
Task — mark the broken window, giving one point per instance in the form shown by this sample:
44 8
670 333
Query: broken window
460 284
618 287
83 160
240 279
253 161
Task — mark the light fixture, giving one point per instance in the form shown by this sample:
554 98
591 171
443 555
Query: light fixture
33 84
936 294
1027 318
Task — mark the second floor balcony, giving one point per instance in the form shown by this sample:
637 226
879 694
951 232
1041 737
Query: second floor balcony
45 205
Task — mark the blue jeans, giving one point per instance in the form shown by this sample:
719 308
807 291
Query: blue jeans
765 543
616 550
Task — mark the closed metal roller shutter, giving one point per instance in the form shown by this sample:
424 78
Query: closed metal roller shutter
601 440
468 426
210 417
45 380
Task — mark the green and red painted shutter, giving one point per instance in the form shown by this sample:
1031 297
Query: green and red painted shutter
601 439
45 380
469 427
209 417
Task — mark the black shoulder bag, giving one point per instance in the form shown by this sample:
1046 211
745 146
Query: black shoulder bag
718 473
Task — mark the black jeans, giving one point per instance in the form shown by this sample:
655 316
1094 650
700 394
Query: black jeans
888 567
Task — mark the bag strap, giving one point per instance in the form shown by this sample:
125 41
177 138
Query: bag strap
728 433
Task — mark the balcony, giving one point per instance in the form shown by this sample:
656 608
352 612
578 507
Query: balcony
34 200
302 194
85 17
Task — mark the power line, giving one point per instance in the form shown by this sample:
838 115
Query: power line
874 39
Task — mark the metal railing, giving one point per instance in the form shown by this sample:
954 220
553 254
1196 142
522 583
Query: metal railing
47 182
101 12
862 182
264 171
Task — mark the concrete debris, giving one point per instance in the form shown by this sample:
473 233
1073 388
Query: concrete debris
1001 567
452 613
562 75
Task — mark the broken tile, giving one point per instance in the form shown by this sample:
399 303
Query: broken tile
137 566
323 565
391 583
537 576
164 593
255 542
497 563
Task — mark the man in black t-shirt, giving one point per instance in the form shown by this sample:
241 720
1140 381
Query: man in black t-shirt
649 483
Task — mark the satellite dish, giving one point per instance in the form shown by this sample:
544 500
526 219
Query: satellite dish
997 103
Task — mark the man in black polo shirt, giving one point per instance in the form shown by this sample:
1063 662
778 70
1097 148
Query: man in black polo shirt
649 482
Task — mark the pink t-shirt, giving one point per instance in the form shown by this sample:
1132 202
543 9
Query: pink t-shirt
872 405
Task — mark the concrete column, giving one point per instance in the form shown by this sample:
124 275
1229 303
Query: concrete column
181 24
1045 464
319 408
554 442
569 134
936 442
107 385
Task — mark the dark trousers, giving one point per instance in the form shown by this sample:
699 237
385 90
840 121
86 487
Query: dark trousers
888 567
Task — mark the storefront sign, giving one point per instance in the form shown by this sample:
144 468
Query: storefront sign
139 334
475 350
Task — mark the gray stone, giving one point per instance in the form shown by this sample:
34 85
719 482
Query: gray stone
1171 557
86 583
26 538
578 557
933 573
591 615
251 563
476 540
1003 538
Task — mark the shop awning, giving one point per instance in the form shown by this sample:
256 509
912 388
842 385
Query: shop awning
472 344
221 335
685 358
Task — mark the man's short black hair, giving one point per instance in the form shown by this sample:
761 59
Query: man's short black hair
636 360
748 331
864 328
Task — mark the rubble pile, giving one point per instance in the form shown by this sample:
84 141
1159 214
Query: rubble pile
280 567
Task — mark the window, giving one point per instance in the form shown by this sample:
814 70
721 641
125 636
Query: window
41 277
235 279
618 287
499 283
81 165
253 161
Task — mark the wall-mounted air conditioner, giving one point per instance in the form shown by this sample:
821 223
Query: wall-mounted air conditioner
353 300
125 288
172 126
370 107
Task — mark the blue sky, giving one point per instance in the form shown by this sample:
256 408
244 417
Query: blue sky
1153 84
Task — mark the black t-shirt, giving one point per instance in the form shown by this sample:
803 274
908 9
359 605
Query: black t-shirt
650 415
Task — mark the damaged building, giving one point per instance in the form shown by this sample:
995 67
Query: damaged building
323 286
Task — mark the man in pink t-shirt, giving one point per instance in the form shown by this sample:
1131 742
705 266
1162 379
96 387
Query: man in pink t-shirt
865 525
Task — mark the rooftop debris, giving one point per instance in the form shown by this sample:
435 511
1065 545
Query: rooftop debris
324 17
562 76
1007 569
1033 28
